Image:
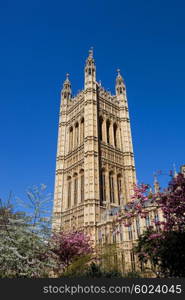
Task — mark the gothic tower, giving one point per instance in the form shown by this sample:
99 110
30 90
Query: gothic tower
95 169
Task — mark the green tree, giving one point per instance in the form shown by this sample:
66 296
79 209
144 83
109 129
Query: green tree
24 247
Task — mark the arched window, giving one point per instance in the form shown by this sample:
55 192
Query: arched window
103 186
76 135
69 192
108 131
82 185
75 189
111 185
132 258
100 128
119 184
147 220
120 138
115 134
121 232
70 138
82 131
156 221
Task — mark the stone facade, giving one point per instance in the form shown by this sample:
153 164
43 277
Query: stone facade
95 169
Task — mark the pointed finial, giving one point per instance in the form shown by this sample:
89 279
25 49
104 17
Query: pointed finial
67 79
91 52
119 77
118 71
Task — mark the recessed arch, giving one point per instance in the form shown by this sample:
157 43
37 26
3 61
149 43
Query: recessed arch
120 188
101 128
111 186
81 130
108 131
76 137
70 138
115 129
81 185
75 190
69 184
103 185
81 171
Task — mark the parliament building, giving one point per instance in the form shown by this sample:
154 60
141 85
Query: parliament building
95 169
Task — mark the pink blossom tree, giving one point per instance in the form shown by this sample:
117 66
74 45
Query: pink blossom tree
68 246
165 249
171 201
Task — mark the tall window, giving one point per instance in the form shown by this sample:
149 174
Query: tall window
115 135
111 184
132 258
103 186
69 193
108 132
76 135
82 187
70 138
82 131
121 232
75 190
100 128
119 189
147 221
156 220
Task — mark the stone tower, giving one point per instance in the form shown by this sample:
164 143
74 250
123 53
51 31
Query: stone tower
95 169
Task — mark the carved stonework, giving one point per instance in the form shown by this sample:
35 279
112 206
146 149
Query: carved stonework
95 170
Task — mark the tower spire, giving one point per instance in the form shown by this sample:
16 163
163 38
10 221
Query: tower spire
118 71
66 90
90 71
120 86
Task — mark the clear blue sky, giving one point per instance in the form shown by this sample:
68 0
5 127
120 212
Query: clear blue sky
42 40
